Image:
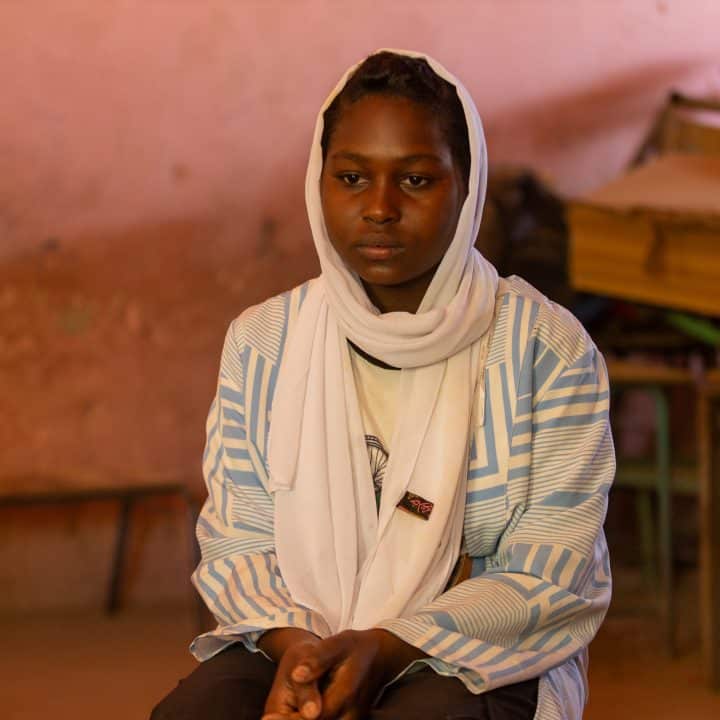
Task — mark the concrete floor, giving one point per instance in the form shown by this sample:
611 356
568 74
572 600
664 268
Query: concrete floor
92 667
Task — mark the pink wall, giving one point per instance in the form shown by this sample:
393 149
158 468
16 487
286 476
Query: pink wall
151 171
124 112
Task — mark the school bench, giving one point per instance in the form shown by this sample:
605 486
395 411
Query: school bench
62 492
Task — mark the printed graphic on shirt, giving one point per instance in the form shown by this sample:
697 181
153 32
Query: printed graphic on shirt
378 462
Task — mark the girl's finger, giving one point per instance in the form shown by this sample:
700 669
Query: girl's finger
320 659
309 700
339 697
301 673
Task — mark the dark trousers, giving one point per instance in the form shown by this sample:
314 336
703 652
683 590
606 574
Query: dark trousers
233 685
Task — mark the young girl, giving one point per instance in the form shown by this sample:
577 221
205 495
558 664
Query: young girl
408 458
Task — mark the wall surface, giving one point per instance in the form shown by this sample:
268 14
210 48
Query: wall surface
151 187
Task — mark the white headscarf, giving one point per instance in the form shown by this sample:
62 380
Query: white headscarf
337 554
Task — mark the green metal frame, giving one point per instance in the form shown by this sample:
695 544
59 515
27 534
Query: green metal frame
661 472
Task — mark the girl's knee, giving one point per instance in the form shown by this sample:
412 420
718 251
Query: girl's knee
224 699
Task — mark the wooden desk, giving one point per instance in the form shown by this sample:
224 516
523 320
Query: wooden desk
652 235
709 426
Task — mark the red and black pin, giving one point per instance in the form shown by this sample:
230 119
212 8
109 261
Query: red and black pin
416 505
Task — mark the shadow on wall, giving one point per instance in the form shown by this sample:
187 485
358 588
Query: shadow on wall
109 353
614 114
109 347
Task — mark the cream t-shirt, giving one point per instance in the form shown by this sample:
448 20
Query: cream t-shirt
377 390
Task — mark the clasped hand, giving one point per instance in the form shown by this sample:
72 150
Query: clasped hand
333 679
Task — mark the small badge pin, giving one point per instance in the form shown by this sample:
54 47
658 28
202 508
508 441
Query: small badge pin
416 505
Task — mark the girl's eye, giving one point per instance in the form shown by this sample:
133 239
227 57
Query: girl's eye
350 178
416 181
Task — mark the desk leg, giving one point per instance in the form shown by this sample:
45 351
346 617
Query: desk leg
710 536
113 598
667 609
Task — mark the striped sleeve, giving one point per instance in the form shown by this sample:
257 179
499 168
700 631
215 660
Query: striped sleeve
541 597
238 576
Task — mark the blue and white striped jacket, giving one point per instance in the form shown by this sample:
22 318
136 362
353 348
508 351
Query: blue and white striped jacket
541 464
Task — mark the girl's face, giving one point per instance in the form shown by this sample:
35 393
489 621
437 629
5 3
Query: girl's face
391 197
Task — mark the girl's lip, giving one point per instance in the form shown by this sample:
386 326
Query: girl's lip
379 252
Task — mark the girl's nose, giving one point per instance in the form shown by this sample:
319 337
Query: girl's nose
382 206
